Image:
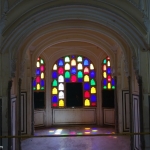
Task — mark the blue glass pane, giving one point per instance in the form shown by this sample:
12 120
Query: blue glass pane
54 99
113 82
73 56
34 83
54 75
86 86
93 98
73 70
60 62
38 71
80 80
86 62
104 82
92 74
108 70
67 80
42 82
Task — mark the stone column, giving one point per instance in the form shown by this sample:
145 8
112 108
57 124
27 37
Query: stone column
32 107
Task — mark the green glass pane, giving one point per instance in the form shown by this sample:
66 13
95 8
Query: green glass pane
104 87
54 83
80 74
34 88
42 61
67 59
79 59
113 87
92 82
67 74
104 61
42 88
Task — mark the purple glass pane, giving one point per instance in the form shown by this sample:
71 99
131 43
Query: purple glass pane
93 98
113 82
42 82
54 99
104 82
80 79
108 70
38 71
92 74
86 86
34 83
54 75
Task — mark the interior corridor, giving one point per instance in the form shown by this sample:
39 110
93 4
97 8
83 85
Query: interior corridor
77 142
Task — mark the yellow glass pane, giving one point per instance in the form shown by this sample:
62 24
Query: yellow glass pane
86 78
38 64
42 75
79 59
80 67
104 74
91 66
109 85
54 91
93 90
38 86
55 67
108 63
61 103
87 102
67 66
73 63
67 59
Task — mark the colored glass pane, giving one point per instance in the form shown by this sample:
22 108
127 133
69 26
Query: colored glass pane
93 98
42 88
104 87
104 67
80 80
34 88
67 80
86 70
34 83
42 68
104 75
67 74
60 62
108 63
61 87
86 78
73 62
93 104
92 82
42 75
42 61
55 67
67 66
38 64
108 70
42 83
80 74
104 61
113 82
87 94
38 86
73 78
54 83
108 58
109 85
38 71
54 91
37 79
93 90
87 102
61 103
54 75
73 70
109 78
61 95
113 87
80 67
61 70
86 62
86 86
67 59
54 105
60 78
105 82
92 74
91 67
54 99
38 58
79 59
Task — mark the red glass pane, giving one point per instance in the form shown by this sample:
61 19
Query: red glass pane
109 78
60 70
104 67
86 94
38 59
93 104
37 79
73 78
42 68
54 105
108 58
86 70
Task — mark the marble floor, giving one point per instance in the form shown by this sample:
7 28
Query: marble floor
76 141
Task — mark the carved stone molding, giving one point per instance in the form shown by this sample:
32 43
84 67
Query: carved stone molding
13 67
136 66
22 68
126 66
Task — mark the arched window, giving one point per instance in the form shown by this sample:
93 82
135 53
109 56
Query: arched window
73 69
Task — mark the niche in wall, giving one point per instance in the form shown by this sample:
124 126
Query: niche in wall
39 100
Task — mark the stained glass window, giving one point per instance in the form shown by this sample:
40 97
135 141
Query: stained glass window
74 69
108 81
39 81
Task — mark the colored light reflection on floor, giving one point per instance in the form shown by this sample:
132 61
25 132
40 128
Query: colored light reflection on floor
72 133
80 133
87 128
58 131
86 132
51 131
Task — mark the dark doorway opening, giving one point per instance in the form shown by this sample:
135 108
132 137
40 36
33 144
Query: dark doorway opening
74 95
